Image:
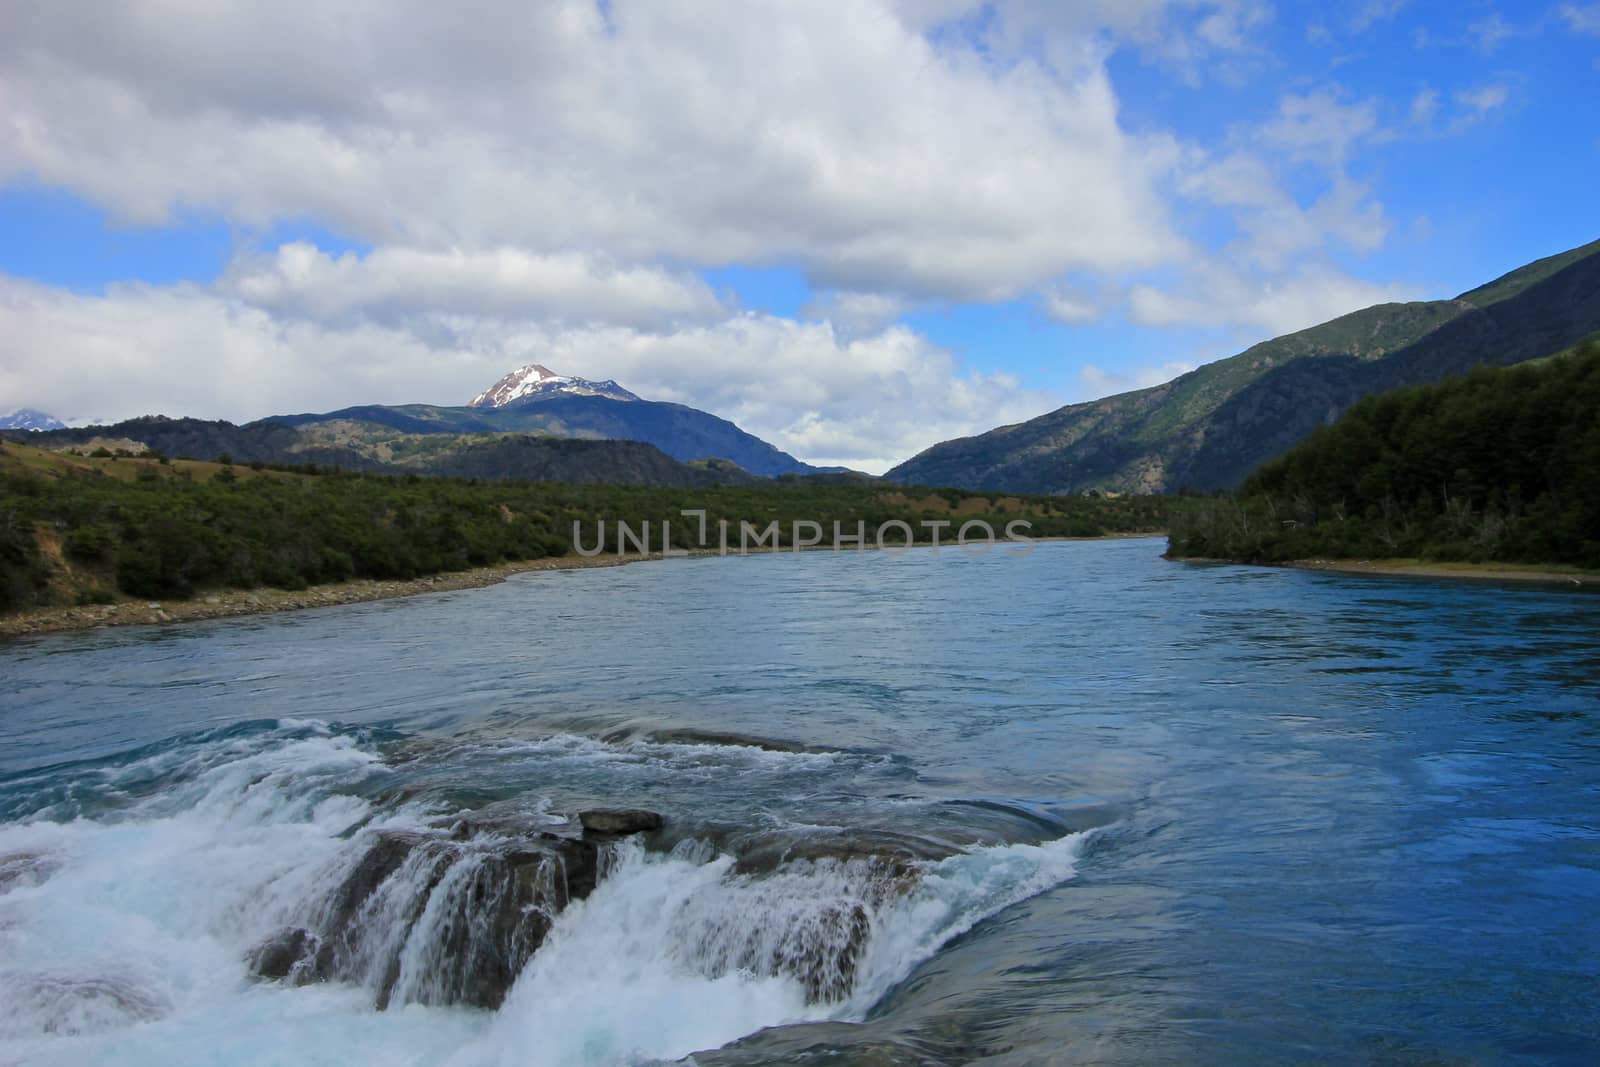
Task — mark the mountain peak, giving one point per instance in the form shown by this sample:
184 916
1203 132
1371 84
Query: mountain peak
29 419
535 381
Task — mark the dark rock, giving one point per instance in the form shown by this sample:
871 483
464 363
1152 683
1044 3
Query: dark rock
278 956
26 868
487 904
618 821
388 851
897 854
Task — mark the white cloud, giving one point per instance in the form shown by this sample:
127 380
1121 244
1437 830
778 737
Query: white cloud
1276 228
1424 107
1429 115
1100 382
867 402
1188 37
1318 126
833 136
1071 307
1492 31
1582 18
540 182
1373 12
390 283
1268 306
1483 99
854 314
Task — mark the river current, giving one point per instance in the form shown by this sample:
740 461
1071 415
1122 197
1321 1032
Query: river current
1082 805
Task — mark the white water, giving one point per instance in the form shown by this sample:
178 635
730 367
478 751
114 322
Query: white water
123 937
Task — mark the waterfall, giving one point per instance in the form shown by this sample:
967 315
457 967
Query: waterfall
197 891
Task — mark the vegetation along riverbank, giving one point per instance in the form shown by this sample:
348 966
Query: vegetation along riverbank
1498 467
96 540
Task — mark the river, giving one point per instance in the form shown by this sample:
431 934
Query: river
1078 806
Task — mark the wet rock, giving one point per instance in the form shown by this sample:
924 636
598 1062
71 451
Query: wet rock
898 854
279 955
26 868
388 851
619 821
68 1005
434 918
806 919
510 901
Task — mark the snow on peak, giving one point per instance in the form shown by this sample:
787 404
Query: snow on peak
536 381
29 419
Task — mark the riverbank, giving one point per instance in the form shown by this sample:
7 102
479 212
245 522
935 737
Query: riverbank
231 603
1416 568
228 603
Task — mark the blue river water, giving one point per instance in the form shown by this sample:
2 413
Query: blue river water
1162 813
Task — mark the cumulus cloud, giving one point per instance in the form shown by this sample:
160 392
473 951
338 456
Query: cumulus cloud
543 182
866 402
1320 126
1276 228
1100 382
391 283
1071 306
854 314
1189 37
849 142
1269 306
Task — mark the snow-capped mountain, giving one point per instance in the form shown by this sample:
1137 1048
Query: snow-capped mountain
29 419
538 382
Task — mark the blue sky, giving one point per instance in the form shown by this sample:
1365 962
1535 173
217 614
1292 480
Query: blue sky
854 228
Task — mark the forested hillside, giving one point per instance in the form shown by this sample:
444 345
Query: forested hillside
1212 427
90 529
1498 465
378 448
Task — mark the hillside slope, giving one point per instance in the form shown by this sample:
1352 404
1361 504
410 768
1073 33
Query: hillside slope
1498 465
361 446
1211 427
684 433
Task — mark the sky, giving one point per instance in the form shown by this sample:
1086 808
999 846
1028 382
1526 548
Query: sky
854 227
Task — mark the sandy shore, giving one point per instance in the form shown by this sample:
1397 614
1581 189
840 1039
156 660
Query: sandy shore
228 603
1416 568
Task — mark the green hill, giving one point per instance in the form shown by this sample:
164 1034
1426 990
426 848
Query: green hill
1499 465
379 448
686 434
92 529
1211 427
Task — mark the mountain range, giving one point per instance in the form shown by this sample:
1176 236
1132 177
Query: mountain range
29 419
1206 430
531 425
1212 427
490 456
534 399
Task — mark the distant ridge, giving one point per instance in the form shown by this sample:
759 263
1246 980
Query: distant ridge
535 399
490 456
1211 427
29 419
